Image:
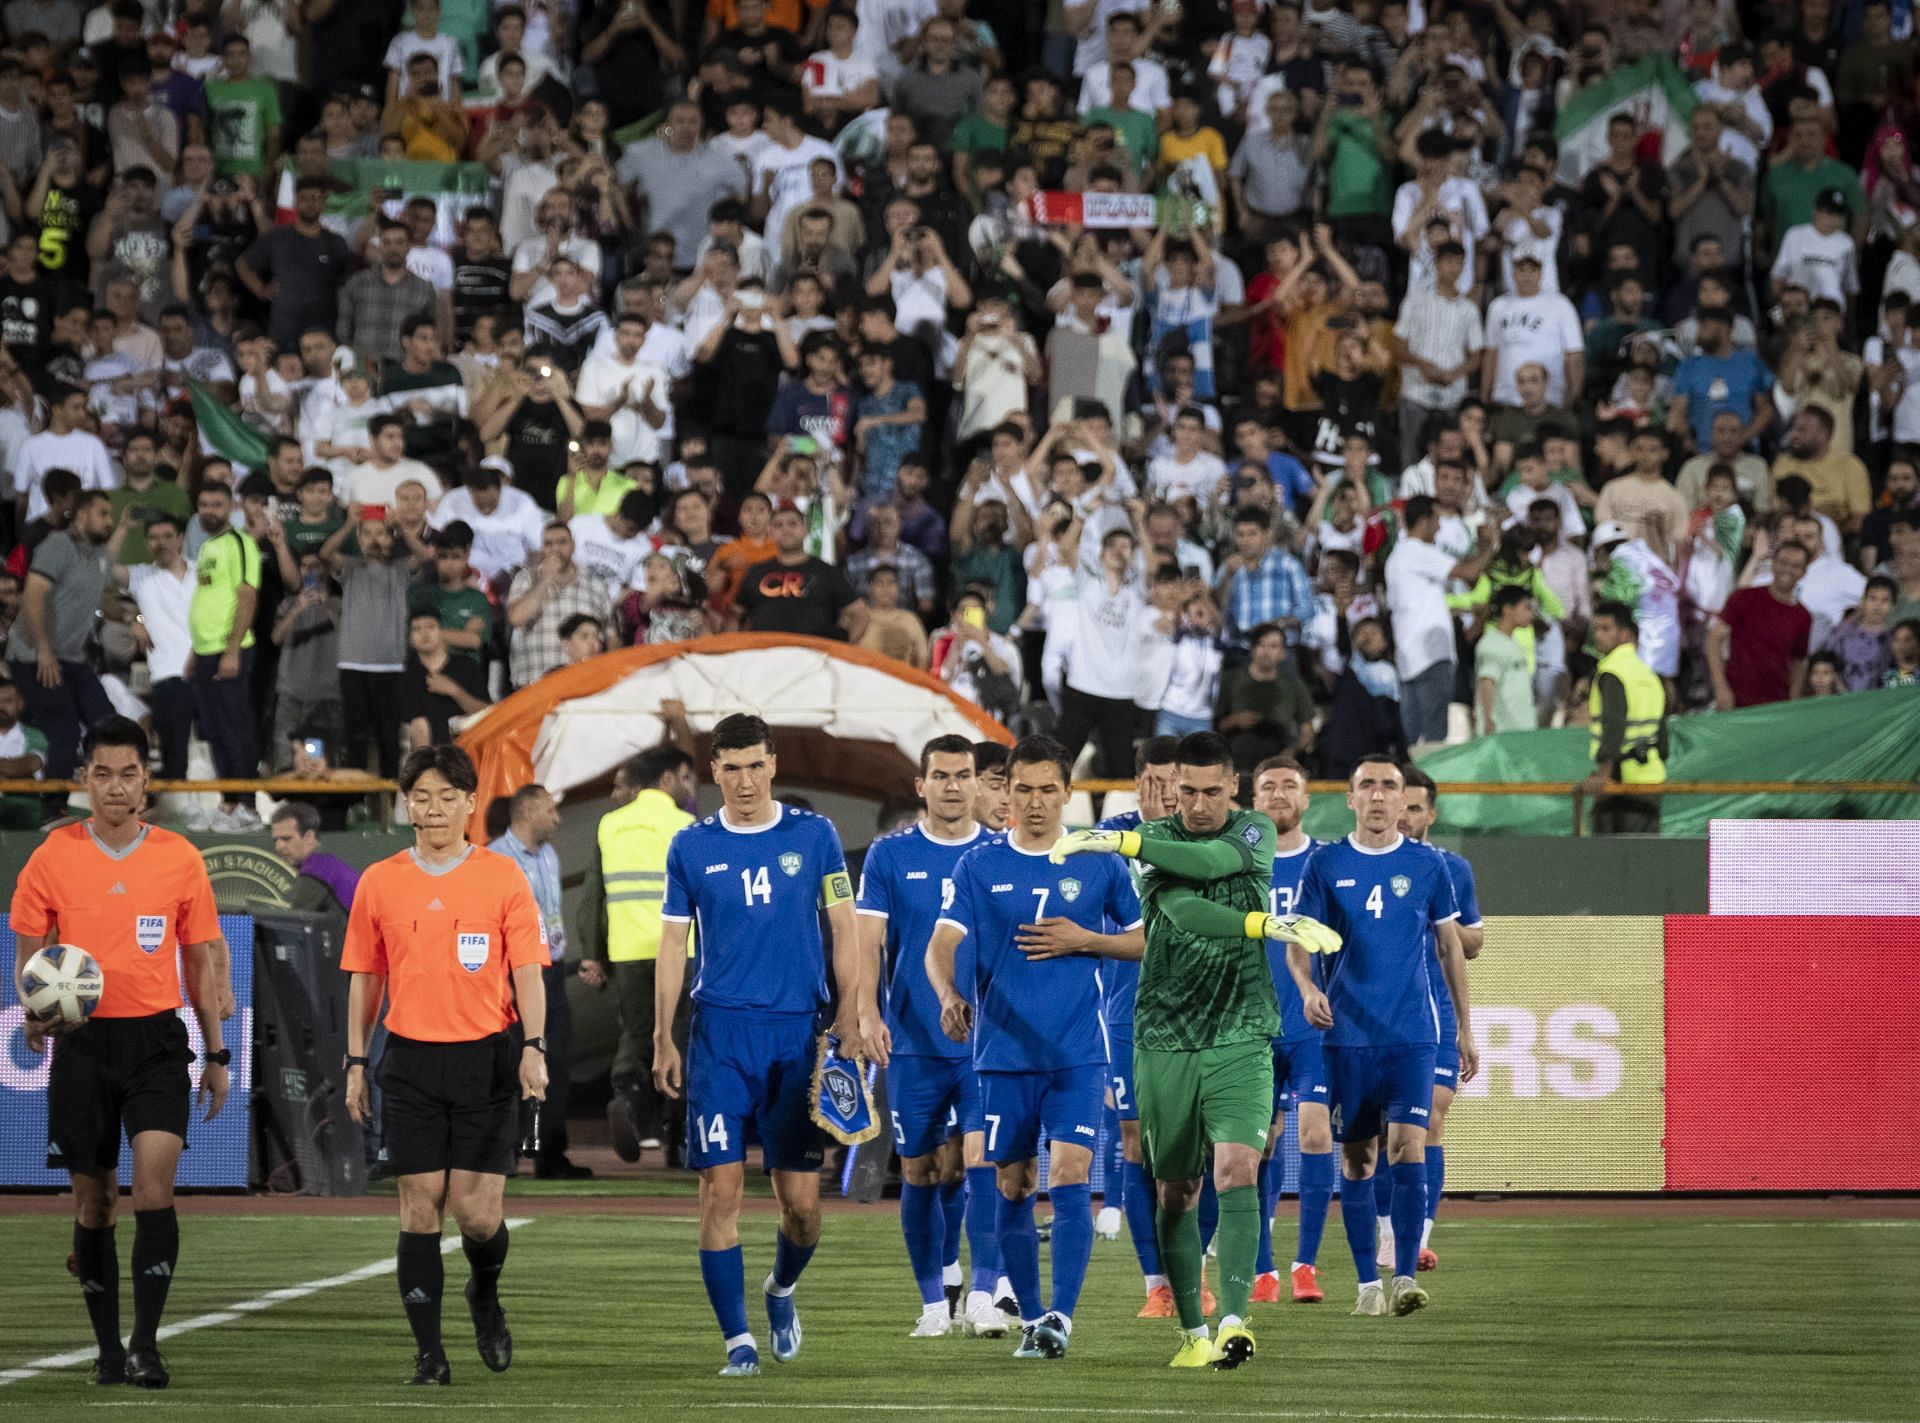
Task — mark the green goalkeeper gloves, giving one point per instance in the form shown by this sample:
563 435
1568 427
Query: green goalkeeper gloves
1309 934
1098 842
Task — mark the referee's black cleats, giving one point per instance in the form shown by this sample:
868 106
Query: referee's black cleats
108 1370
490 1334
430 1370
144 1369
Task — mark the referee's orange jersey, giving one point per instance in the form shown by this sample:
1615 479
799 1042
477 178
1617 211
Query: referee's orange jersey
130 910
446 942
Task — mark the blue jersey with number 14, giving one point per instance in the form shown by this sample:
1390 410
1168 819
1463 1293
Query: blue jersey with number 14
1289 868
1036 1015
1383 904
904 881
755 897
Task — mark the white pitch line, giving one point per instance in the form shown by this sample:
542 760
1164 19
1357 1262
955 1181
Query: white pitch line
1278 1415
234 1311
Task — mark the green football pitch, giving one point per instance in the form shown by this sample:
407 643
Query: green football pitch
1595 1315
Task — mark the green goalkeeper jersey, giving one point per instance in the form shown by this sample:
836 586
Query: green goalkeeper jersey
1198 991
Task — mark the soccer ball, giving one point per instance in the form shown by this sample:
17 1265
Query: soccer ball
61 983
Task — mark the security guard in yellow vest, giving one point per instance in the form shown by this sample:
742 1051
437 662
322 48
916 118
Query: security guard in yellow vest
620 929
1627 721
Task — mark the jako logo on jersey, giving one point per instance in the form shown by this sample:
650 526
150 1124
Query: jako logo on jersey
149 932
1417 1111
716 869
1401 884
1001 889
1070 890
790 863
1343 884
916 874
472 949
1083 1131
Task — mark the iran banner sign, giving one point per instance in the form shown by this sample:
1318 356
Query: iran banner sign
1062 209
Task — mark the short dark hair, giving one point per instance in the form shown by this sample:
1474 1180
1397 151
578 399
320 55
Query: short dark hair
990 756
413 323
649 768
1041 751
305 818
741 731
1417 778
381 423
950 745
525 795
1155 751
454 765
1620 613
577 621
1417 509
498 816
115 731
1506 596
1204 748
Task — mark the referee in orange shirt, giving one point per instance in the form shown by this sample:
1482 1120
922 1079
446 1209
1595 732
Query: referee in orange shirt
130 894
449 934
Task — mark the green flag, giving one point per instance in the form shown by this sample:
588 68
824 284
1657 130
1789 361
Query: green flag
221 427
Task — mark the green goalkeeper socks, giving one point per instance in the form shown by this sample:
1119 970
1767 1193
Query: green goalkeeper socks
1239 1237
1182 1258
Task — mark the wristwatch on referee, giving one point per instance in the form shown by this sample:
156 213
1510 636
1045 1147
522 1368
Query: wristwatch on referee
222 1058
349 1062
539 1045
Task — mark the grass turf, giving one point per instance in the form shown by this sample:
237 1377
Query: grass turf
1533 1319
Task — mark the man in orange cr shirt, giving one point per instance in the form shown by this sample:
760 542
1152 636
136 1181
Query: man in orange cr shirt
131 895
449 934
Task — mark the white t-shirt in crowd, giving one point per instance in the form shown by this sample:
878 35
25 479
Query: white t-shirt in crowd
1822 263
504 540
616 560
368 484
1417 574
78 450
1523 330
789 186
164 600
1198 478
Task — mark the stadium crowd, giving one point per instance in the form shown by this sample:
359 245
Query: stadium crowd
1302 372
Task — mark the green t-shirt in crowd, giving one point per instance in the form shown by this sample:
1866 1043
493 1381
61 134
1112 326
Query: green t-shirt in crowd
1359 181
455 607
1500 659
304 538
226 562
1133 128
239 113
163 496
1788 190
1195 991
977 133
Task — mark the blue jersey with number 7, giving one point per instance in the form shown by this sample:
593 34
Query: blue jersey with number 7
754 896
1036 1015
1383 904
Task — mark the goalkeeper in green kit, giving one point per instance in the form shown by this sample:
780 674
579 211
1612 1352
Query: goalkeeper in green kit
1204 1023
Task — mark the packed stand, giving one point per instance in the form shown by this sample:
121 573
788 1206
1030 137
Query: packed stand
1307 373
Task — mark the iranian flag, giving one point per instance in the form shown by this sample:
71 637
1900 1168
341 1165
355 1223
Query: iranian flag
452 187
223 432
1654 92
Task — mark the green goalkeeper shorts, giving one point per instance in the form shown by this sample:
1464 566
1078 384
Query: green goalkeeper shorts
1191 1099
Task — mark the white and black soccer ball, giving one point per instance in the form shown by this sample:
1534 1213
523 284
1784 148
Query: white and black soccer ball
61 983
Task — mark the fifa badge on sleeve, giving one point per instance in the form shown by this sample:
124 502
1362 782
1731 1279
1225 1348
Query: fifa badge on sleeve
842 1106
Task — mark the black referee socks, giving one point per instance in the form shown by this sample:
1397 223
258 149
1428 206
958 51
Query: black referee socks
156 1250
97 1264
423 1276
487 1258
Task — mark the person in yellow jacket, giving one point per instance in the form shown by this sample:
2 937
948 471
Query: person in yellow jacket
620 929
1627 711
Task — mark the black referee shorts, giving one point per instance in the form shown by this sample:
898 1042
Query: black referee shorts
113 1073
449 1106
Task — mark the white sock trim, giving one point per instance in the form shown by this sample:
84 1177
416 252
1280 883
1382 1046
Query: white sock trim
1229 1320
742 1341
950 1275
777 1291
1201 1333
1426 1232
1158 1282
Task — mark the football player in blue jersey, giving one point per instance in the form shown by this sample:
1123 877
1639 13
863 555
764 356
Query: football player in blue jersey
1390 900
1415 822
753 879
1036 932
931 1089
1158 797
1299 1068
991 808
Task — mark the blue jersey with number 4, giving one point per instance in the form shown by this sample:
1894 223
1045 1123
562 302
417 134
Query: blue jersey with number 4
1284 898
1383 904
1121 977
904 881
754 897
1036 1015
